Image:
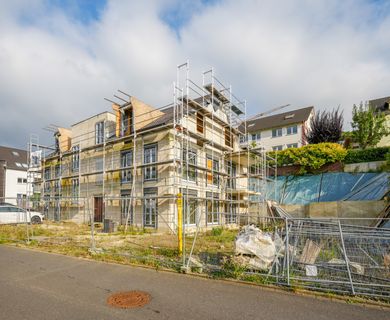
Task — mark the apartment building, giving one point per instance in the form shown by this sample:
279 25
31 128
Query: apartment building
132 164
279 131
13 175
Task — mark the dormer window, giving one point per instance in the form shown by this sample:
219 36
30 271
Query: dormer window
289 116
127 122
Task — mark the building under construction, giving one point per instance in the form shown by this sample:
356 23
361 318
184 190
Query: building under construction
135 163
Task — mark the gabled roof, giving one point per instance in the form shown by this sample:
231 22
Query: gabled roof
16 159
279 120
381 104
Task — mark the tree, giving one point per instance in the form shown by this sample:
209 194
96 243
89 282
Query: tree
368 125
326 126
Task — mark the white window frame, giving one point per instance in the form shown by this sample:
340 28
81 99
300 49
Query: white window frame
292 130
277 148
277 131
150 156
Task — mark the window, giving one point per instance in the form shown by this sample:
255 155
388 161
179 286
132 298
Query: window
189 170
75 189
276 132
150 207
99 132
15 153
22 180
199 122
190 207
212 208
292 145
126 210
18 164
46 174
292 129
127 122
213 176
231 209
256 136
57 171
99 171
75 158
126 161
46 187
57 187
231 169
228 137
150 156
242 138
277 148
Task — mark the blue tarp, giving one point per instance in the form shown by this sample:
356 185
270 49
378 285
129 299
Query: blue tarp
329 187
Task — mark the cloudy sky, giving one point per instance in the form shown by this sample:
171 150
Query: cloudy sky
59 59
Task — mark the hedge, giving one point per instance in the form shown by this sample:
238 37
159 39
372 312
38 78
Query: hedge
310 157
366 155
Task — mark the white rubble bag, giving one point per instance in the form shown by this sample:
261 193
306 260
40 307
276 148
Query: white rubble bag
258 245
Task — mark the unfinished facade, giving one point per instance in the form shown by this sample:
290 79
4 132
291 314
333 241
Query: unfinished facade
131 165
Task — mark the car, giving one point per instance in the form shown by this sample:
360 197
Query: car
12 214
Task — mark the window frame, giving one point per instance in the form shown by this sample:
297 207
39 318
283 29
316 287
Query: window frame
99 132
150 208
291 129
150 171
276 131
127 174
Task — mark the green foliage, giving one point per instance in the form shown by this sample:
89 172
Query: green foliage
388 158
310 157
216 231
230 269
367 155
368 126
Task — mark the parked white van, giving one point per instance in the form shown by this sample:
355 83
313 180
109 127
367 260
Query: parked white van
11 214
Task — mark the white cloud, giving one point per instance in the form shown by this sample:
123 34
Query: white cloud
57 70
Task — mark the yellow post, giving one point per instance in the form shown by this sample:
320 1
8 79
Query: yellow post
180 222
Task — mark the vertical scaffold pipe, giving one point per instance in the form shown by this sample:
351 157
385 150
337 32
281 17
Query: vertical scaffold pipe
180 222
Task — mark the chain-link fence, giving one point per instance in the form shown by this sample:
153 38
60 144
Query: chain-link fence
346 256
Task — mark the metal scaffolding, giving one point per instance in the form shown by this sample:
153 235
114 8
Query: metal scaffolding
202 154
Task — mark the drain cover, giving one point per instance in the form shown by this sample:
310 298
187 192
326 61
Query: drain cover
129 299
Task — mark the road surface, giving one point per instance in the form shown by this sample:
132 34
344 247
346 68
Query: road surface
36 285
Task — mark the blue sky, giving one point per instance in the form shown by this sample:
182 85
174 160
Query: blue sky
60 59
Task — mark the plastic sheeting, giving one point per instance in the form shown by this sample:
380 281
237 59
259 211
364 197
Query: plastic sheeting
335 186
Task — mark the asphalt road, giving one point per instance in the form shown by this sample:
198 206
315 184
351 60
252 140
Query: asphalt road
35 285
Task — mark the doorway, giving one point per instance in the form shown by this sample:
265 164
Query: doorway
98 209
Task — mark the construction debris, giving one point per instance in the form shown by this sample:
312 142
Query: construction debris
256 247
310 252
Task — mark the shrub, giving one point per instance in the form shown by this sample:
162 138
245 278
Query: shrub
311 157
367 155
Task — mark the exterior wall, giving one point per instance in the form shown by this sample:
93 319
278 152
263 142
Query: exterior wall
12 187
338 209
364 166
268 142
83 133
385 141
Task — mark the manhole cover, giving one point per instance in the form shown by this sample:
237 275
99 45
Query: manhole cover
129 299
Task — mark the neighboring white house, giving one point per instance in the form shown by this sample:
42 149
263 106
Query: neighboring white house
280 131
382 105
13 175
